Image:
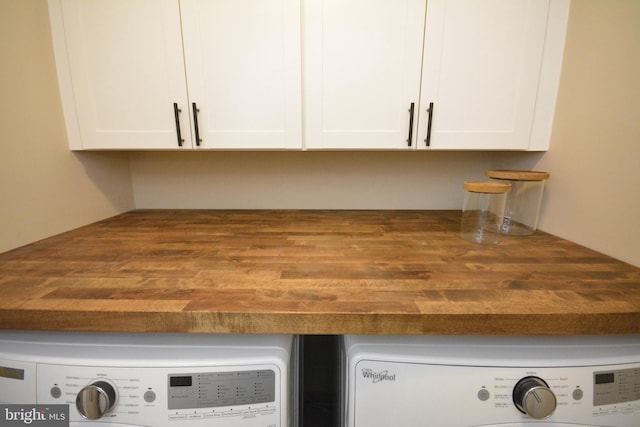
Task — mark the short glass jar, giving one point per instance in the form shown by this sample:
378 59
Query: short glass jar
523 201
483 211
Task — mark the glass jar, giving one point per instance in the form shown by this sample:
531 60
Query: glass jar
523 201
483 211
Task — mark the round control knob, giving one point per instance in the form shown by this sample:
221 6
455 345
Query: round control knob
533 397
95 400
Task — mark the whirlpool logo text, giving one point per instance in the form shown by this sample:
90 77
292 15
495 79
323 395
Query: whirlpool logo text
36 415
377 377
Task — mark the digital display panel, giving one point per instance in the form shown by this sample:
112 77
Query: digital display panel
182 381
606 378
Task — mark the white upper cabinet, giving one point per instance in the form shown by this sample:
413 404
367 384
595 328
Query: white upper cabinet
489 73
243 70
482 76
309 74
121 69
362 61
127 83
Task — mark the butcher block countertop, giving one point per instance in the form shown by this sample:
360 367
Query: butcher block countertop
312 272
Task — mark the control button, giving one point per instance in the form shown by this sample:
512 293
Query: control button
532 396
56 392
484 394
577 394
94 400
149 396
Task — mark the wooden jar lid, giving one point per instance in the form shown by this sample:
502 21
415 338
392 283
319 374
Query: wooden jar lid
517 175
486 187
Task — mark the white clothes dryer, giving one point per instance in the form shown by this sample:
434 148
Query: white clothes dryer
420 381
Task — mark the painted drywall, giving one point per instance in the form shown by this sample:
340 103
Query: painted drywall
593 195
304 180
45 189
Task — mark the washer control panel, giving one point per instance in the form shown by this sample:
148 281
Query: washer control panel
152 380
156 396
616 386
217 389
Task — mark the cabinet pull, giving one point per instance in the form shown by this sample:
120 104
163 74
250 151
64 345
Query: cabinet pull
176 113
427 140
195 123
411 124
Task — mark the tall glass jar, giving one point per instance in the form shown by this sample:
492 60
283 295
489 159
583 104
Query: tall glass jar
483 211
523 201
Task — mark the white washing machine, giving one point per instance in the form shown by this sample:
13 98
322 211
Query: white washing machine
420 381
153 380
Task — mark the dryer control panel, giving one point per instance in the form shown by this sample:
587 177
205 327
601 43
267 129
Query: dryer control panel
383 392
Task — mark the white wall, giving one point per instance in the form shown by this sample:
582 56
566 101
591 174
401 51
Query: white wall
44 188
593 195
304 180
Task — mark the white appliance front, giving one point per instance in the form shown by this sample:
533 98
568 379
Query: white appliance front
485 381
154 380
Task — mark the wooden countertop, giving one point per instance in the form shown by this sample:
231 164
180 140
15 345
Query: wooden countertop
312 272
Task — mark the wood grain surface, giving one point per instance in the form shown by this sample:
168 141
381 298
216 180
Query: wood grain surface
312 272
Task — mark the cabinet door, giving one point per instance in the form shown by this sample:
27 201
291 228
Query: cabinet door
481 69
362 61
243 67
121 70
